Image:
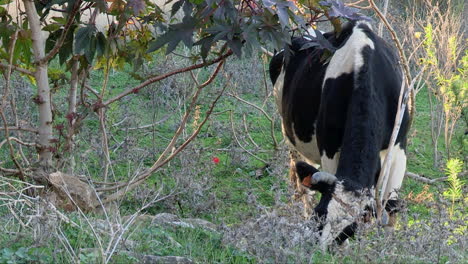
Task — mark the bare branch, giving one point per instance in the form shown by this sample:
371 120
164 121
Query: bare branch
20 128
246 128
176 135
163 76
267 52
272 122
18 141
17 68
404 62
385 9
150 125
2 107
424 179
240 145
385 171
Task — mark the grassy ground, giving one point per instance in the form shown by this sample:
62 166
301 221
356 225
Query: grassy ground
245 195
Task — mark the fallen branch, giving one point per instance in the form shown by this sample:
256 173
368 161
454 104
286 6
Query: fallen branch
150 125
424 179
272 122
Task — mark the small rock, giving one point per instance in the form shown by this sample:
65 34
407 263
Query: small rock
164 218
70 187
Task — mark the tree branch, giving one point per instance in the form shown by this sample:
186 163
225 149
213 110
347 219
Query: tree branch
161 77
17 68
404 61
272 122
238 142
19 128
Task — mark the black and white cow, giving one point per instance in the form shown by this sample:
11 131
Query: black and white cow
340 114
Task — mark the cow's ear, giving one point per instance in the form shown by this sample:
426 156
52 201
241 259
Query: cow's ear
305 172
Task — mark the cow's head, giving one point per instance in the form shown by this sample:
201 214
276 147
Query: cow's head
339 210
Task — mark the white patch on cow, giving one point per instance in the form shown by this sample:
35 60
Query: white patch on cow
330 165
278 89
326 237
397 170
349 57
308 150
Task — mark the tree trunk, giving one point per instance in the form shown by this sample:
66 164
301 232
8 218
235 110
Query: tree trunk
43 89
72 100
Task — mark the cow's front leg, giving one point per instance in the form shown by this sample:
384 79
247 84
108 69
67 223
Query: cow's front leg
301 193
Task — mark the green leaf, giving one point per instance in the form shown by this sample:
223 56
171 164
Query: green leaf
205 44
67 48
85 42
175 34
236 47
100 43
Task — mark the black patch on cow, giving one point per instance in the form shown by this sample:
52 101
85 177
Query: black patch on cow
276 65
346 233
302 92
303 169
393 206
302 86
321 210
332 119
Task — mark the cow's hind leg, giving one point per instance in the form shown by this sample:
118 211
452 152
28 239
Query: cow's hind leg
395 181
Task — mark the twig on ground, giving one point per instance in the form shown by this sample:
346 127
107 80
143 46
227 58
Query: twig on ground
150 125
424 179
240 145
272 122
247 131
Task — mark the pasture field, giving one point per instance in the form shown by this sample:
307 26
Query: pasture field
225 198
